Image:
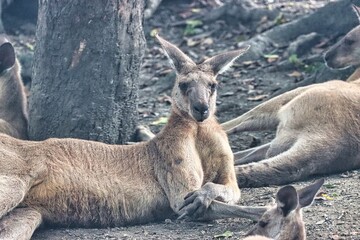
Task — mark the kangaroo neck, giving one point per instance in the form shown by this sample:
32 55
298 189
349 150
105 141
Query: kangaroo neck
182 125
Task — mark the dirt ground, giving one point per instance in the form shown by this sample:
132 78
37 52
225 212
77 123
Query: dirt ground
334 214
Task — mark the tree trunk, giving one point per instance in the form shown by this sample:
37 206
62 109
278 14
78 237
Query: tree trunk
86 70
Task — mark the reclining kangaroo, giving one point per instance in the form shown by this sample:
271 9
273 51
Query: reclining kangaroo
318 126
69 182
13 109
283 219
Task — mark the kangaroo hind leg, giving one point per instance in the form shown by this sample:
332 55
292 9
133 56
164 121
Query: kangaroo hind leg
263 116
251 155
20 224
299 162
282 142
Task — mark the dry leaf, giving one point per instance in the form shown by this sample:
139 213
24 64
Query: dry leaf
247 63
153 32
258 97
271 57
207 41
295 74
327 197
160 121
320 222
335 237
227 94
191 42
226 234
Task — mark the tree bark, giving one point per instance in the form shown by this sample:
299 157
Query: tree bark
334 19
86 70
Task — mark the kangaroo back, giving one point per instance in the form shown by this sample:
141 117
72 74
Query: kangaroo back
13 109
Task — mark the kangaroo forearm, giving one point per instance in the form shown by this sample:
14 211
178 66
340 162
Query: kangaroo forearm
219 210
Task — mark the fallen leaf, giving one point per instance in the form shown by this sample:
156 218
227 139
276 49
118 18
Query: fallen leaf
258 97
227 94
247 63
335 237
320 222
226 234
153 32
196 10
271 57
327 197
295 74
190 42
29 46
207 41
160 121
164 99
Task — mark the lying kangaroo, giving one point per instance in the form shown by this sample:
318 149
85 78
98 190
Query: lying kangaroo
318 127
283 220
13 109
69 182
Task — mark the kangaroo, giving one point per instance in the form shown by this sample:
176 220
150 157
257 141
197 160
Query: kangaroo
13 104
186 170
283 220
318 126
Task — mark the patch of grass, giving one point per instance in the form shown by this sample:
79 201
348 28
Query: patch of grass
295 60
329 186
191 25
311 68
280 19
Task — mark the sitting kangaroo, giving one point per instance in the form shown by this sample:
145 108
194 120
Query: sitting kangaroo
318 126
13 106
79 183
283 220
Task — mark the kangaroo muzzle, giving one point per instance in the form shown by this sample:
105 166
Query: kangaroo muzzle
200 111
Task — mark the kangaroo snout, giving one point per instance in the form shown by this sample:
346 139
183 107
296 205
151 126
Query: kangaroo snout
200 111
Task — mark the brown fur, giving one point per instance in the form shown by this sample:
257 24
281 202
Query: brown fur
318 127
13 109
69 182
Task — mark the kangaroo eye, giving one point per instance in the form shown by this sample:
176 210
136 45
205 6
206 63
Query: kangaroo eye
183 86
262 223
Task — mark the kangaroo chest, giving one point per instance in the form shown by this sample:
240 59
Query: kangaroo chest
213 147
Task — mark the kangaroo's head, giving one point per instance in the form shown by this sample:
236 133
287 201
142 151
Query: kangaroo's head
346 52
283 220
194 93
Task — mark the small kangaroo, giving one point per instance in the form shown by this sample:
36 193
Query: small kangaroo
283 220
186 170
13 104
318 126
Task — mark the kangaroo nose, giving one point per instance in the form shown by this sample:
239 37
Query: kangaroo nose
201 108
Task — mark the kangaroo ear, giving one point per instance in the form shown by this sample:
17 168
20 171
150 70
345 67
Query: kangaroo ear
307 194
356 10
178 60
222 62
287 199
7 56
